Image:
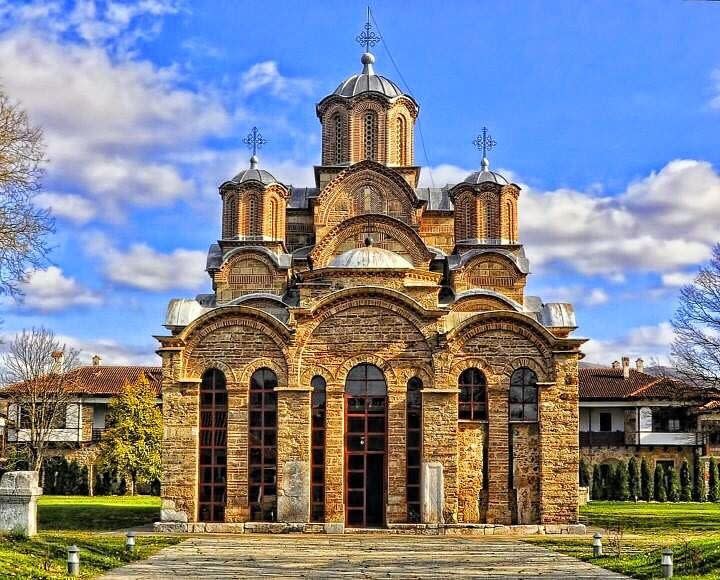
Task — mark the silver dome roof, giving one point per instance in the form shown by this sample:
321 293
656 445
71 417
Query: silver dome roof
254 174
485 175
370 258
367 81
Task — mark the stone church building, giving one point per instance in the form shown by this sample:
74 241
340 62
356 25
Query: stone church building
368 357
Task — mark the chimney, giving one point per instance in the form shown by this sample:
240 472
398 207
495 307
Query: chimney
626 366
96 360
616 364
640 365
58 356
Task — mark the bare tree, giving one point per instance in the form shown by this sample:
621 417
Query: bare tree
39 388
696 348
23 226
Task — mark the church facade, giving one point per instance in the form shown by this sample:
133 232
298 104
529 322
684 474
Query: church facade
368 357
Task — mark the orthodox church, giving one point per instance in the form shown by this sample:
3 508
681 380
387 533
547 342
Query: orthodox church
368 357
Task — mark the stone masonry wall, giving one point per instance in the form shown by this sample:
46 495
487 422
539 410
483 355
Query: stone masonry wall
471 444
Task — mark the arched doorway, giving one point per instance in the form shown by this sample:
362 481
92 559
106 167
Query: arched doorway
365 446
212 461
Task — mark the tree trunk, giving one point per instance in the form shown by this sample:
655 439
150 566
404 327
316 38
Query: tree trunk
91 479
133 476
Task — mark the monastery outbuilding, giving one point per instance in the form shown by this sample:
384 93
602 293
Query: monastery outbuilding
368 357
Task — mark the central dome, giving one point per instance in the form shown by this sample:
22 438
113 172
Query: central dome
367 82
371 258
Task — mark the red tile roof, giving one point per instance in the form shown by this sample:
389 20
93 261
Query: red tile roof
106 380
610 384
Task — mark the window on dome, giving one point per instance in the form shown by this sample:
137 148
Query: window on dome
370 135
401 141
338 125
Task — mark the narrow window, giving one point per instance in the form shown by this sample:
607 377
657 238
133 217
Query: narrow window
339 128
254 223
605 422
510 221
472 402
370 135
274 218
523 395
413 448
213 447
401 141
230 221
317 483
262 446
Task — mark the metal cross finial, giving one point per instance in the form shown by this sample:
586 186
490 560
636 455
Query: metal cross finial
254 140
484 142
368 36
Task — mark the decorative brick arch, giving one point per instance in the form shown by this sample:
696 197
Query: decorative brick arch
204 364
260 363
326 248
307 372
469 362
366 172
385 366
422 371
540 369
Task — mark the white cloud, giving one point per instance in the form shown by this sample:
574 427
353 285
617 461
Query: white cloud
265 76
111 351
678 279
50 290
647 342
145 268
67 206
577 295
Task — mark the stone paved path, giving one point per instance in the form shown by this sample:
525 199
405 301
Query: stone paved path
356 556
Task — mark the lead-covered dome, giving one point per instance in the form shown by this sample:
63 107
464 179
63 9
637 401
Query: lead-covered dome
254 174
367 82
485 175
370 257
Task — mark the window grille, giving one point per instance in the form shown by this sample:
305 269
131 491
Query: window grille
523 395
370 135
472 402
262 446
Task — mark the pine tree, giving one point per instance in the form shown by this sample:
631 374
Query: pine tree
622 489
713 483
660 489
685 483
698 479
634 478
597 484
131 444
647 487
673 484
585 473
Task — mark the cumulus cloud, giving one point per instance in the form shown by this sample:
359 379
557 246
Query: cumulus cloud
67 206
647 342
147 269
112 352
678 279
50 290
266 76
577 295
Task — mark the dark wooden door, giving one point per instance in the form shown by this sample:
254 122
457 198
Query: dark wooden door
365 447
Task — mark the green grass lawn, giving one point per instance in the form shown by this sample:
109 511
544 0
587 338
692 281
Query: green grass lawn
636 533
67 520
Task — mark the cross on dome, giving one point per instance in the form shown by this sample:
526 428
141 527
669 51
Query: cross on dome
254 142
368 37
484 142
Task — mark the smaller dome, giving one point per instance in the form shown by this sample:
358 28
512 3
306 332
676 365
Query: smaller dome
254 174
371 258
485 175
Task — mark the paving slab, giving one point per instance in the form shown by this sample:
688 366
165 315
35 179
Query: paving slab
357 556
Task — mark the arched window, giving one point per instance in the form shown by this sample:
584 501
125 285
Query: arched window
338 125
523 395
370 135
262 446
317 480
274 218
510 221
481 225
472 402
413 410
212 464
254 222
231 218
401 140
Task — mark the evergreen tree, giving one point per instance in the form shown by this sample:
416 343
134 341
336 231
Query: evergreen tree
597 484
685 483
713 483
673 484
660 489
634 478
131 444
585 473
698 479
622 487
647 488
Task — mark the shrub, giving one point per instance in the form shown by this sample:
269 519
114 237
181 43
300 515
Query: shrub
634 478
622 489
685 482
647 487
585 475
713 483
597 484
698 480
660 489
673 484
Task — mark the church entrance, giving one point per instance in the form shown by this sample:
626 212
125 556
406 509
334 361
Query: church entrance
365 446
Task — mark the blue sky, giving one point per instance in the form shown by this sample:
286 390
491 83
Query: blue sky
606 113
